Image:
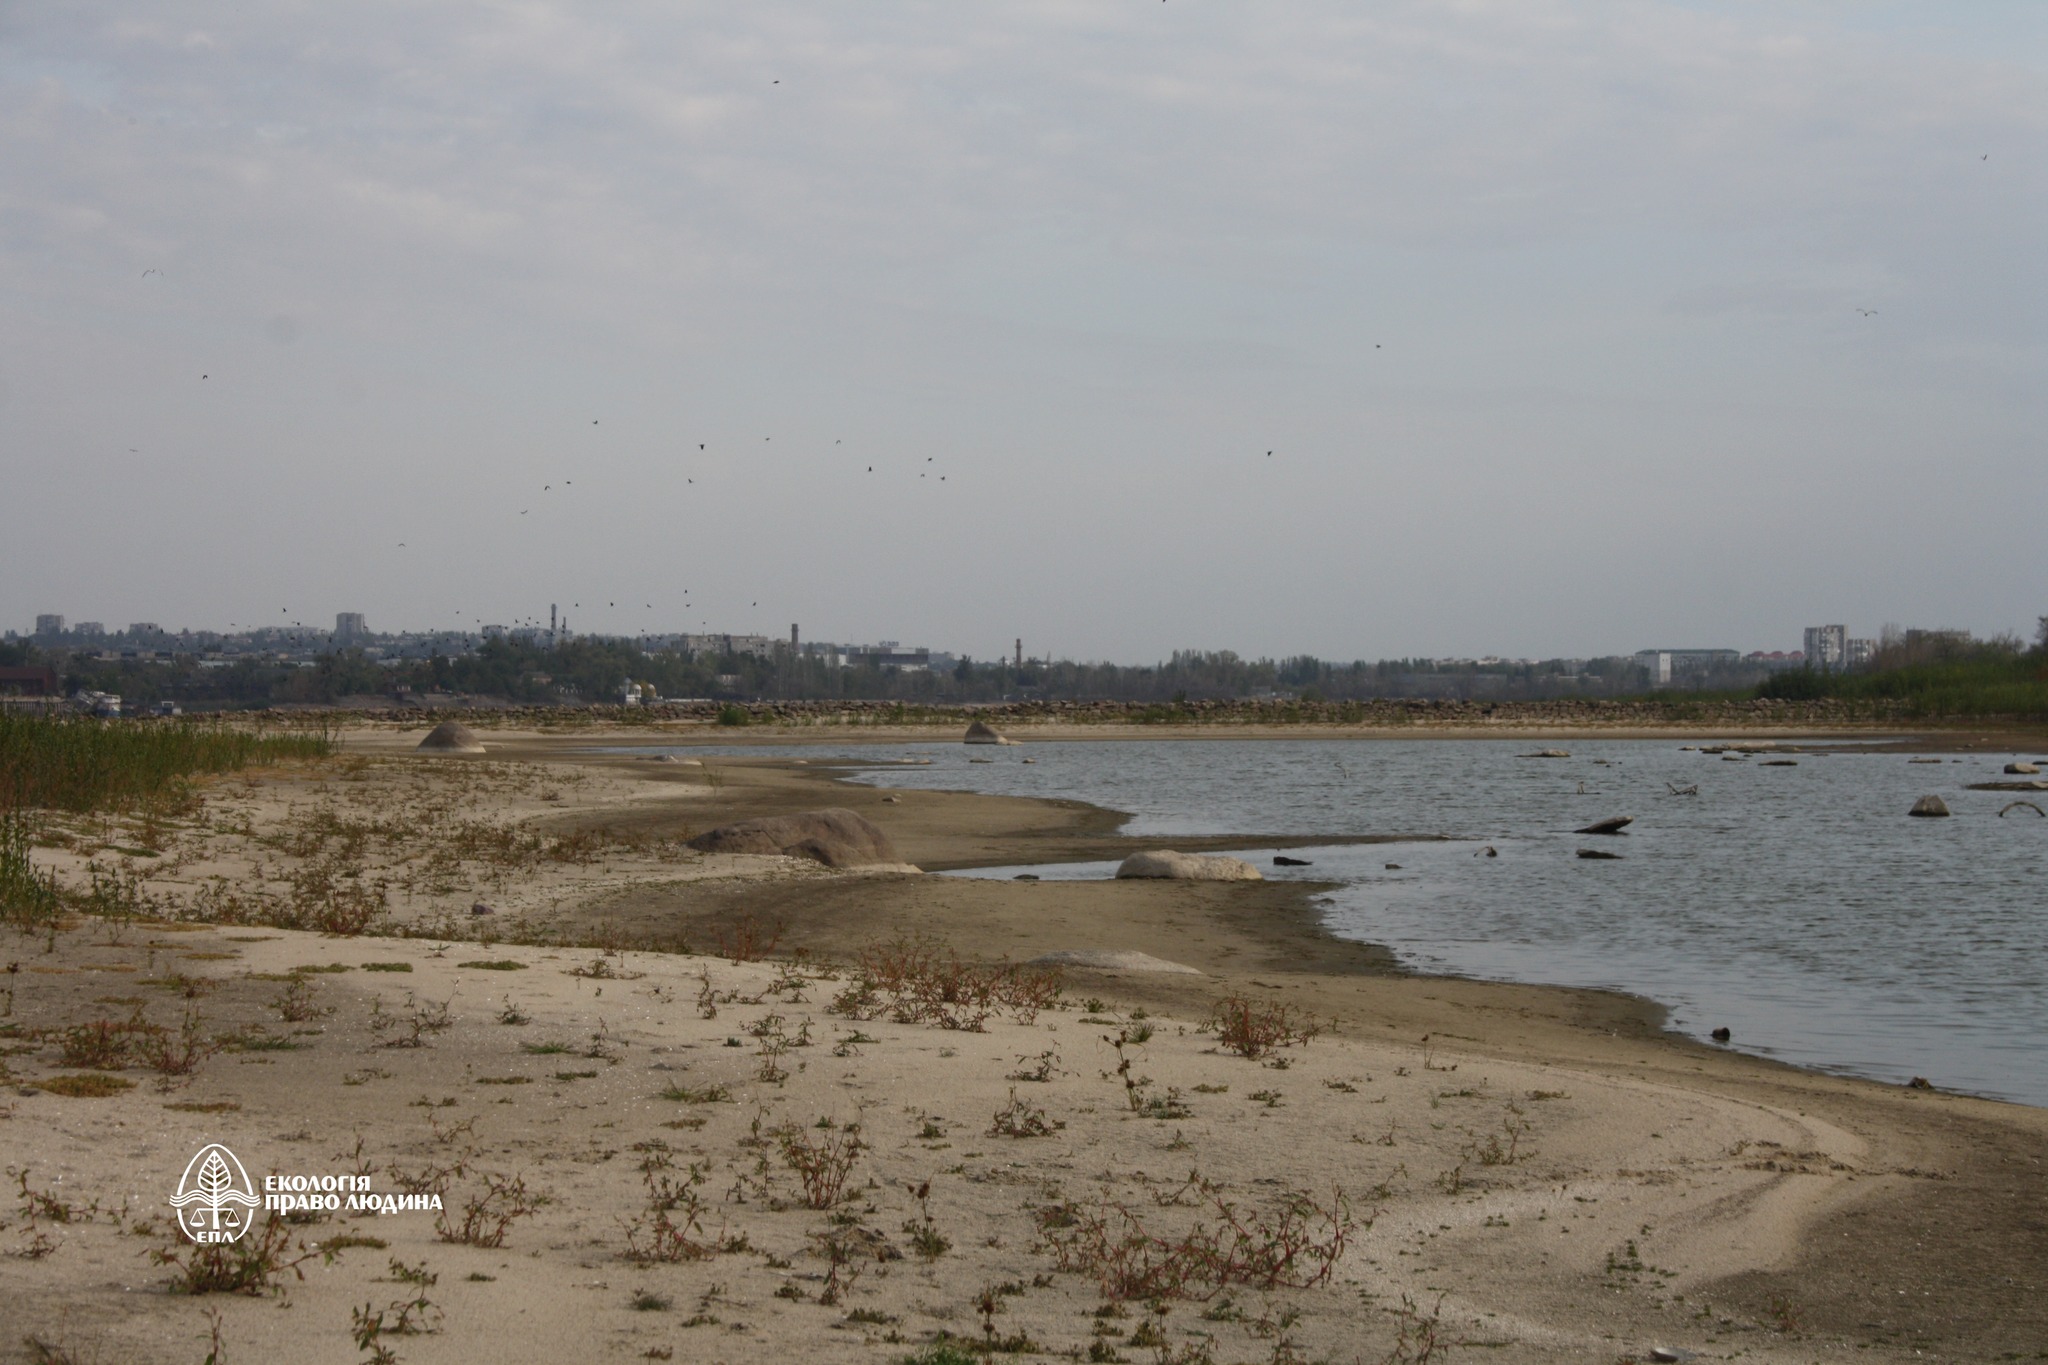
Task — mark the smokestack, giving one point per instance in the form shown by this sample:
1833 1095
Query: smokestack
1020 651
551 618
792 636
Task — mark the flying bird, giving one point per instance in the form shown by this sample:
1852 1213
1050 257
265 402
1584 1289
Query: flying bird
1868 312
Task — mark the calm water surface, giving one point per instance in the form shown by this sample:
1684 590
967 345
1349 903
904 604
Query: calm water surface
1799 906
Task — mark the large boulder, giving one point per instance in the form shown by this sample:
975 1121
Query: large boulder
1188 867
981 732
835 837
1930 807
451 737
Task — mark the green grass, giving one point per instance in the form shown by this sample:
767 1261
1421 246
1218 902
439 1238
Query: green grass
1984 681
72 763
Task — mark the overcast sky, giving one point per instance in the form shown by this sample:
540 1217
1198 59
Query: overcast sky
1549 314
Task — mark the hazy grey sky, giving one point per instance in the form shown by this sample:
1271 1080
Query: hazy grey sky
1548 313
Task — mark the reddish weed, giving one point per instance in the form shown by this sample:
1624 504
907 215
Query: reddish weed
822 1165
1252 1028
1294 1248
918 981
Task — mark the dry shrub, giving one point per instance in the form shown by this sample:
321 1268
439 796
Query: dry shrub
748 938
920 981
1295 1247
252 1265
1019 1119
1253 1028
100 1044
821 1165
488 1217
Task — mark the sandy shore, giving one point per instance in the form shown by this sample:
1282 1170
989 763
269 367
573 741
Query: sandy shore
1538 1171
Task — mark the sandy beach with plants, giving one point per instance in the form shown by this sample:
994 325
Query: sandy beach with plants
676 1105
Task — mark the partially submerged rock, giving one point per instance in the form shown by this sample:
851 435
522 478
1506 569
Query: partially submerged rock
1599 855
836 837
981 732
1547 753
1188 867
451 737
1930 807
2022 768
1282 860
1614 824
1111 960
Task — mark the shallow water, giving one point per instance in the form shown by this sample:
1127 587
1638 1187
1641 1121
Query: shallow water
1798 906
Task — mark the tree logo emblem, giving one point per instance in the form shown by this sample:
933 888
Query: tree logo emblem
216 1202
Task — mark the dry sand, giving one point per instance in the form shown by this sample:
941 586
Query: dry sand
1659 1194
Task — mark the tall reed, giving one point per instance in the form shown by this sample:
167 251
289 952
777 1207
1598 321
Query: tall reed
73 763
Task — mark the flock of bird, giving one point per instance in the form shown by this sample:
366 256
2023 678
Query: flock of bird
703 447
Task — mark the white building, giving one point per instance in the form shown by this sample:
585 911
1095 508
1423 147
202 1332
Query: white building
1827 647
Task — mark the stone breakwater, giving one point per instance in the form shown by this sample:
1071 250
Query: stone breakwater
1377 713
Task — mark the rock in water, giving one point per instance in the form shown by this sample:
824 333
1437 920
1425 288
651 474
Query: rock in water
2017 768
1547 753
1282 860
981 732
1598 854
1613 825
1187 867
451 737
1721 1035
1932 807
835 837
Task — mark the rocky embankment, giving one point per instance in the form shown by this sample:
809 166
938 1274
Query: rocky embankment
1569 713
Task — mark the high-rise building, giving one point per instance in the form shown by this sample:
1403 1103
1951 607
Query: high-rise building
1827 647
349 624
49 624
91 630
144 628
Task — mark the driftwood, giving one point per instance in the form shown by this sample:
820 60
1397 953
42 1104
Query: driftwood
1693 790
1612 825
2015 805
